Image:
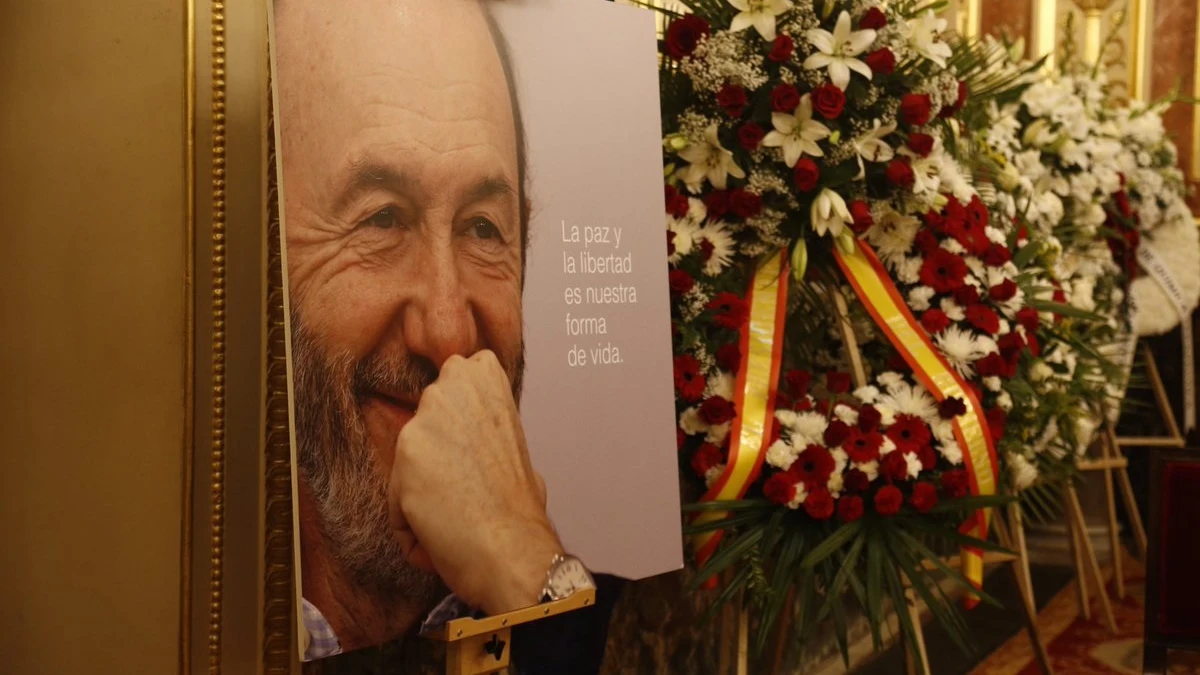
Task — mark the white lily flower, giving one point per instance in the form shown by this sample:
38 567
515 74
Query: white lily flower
797 134
830 214
708 159
924 38
871 146
838 50
760 14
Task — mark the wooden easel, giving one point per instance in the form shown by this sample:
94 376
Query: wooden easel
481 646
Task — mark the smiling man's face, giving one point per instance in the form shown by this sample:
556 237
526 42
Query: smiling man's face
402 206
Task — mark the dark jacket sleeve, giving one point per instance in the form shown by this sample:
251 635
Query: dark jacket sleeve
571 643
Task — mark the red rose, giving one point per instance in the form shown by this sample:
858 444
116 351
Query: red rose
959 102
819 504
717 204
1028 317
813 467
873 19
716 410
731 310
997 255
706 457
951 407
909 433
934 321
785 98
922 144
943 271
837 383
677 204
798 381
836 433
781 49
888 500
997 419
680 282
807 173
924 497
688 380
894 466
1005 290
956 484
860 211
750 135
733 100
850 508
881 61
829 101
683 35
869 418
966 295
915 109
900 173
729 357
993 365
856 481
926 241
779 489
744 204
983 318
863 446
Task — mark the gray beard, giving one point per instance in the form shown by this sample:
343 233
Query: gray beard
334 459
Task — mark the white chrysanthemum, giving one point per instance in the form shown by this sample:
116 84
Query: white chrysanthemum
720 384
887 447
835 483
961 349
810 427
914 464
781 455
867 394
1023 471
991 383
943 430
952 309
717 434
846 414
890 378
919 297
951 452
691 422
870 468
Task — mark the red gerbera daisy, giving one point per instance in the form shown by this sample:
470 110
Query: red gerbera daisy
862 446
943 271
688 380
909 433
813 467
731 310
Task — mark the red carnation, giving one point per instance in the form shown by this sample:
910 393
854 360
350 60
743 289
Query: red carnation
966 295
956 484
806 174
997 419
688 380
860 211
924 497
856 481
836 433
983 318
909 433
798 381
750 136
813 467
731 311
899 173
683 35
959 102
862 446
873 19
706 457
729 357
733 100
943 271
850 508
680 281
888 500
785 98
927 457
894 466
922 144
819 504
716 410
997 255
744 204
951 407
881 61
779 489
829 101
1011 345
677 204
934 321
717 204
915 109
837 383
1028 317
1005 290
781 49
869 418
994 365
926 241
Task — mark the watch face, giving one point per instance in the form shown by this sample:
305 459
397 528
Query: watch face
568 576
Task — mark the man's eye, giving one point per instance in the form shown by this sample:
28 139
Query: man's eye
384 218
484 229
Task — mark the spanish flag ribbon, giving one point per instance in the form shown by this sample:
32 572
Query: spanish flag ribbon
761 345
879 295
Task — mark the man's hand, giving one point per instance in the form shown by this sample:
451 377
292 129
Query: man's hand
462 486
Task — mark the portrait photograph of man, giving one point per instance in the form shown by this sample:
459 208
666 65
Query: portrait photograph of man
411 205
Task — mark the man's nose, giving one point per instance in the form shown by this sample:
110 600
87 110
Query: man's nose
439 320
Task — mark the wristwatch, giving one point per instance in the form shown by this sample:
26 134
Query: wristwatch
566 575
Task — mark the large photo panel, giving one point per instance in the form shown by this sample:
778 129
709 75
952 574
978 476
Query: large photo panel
479 338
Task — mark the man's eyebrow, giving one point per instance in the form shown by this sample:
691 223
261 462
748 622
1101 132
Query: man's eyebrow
487 188
364 176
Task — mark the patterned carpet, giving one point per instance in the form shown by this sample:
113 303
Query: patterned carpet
1081 647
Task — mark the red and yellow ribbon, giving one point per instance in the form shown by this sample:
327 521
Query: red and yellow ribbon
877 292
754 394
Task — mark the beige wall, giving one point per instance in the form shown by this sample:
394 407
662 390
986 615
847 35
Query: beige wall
92 312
